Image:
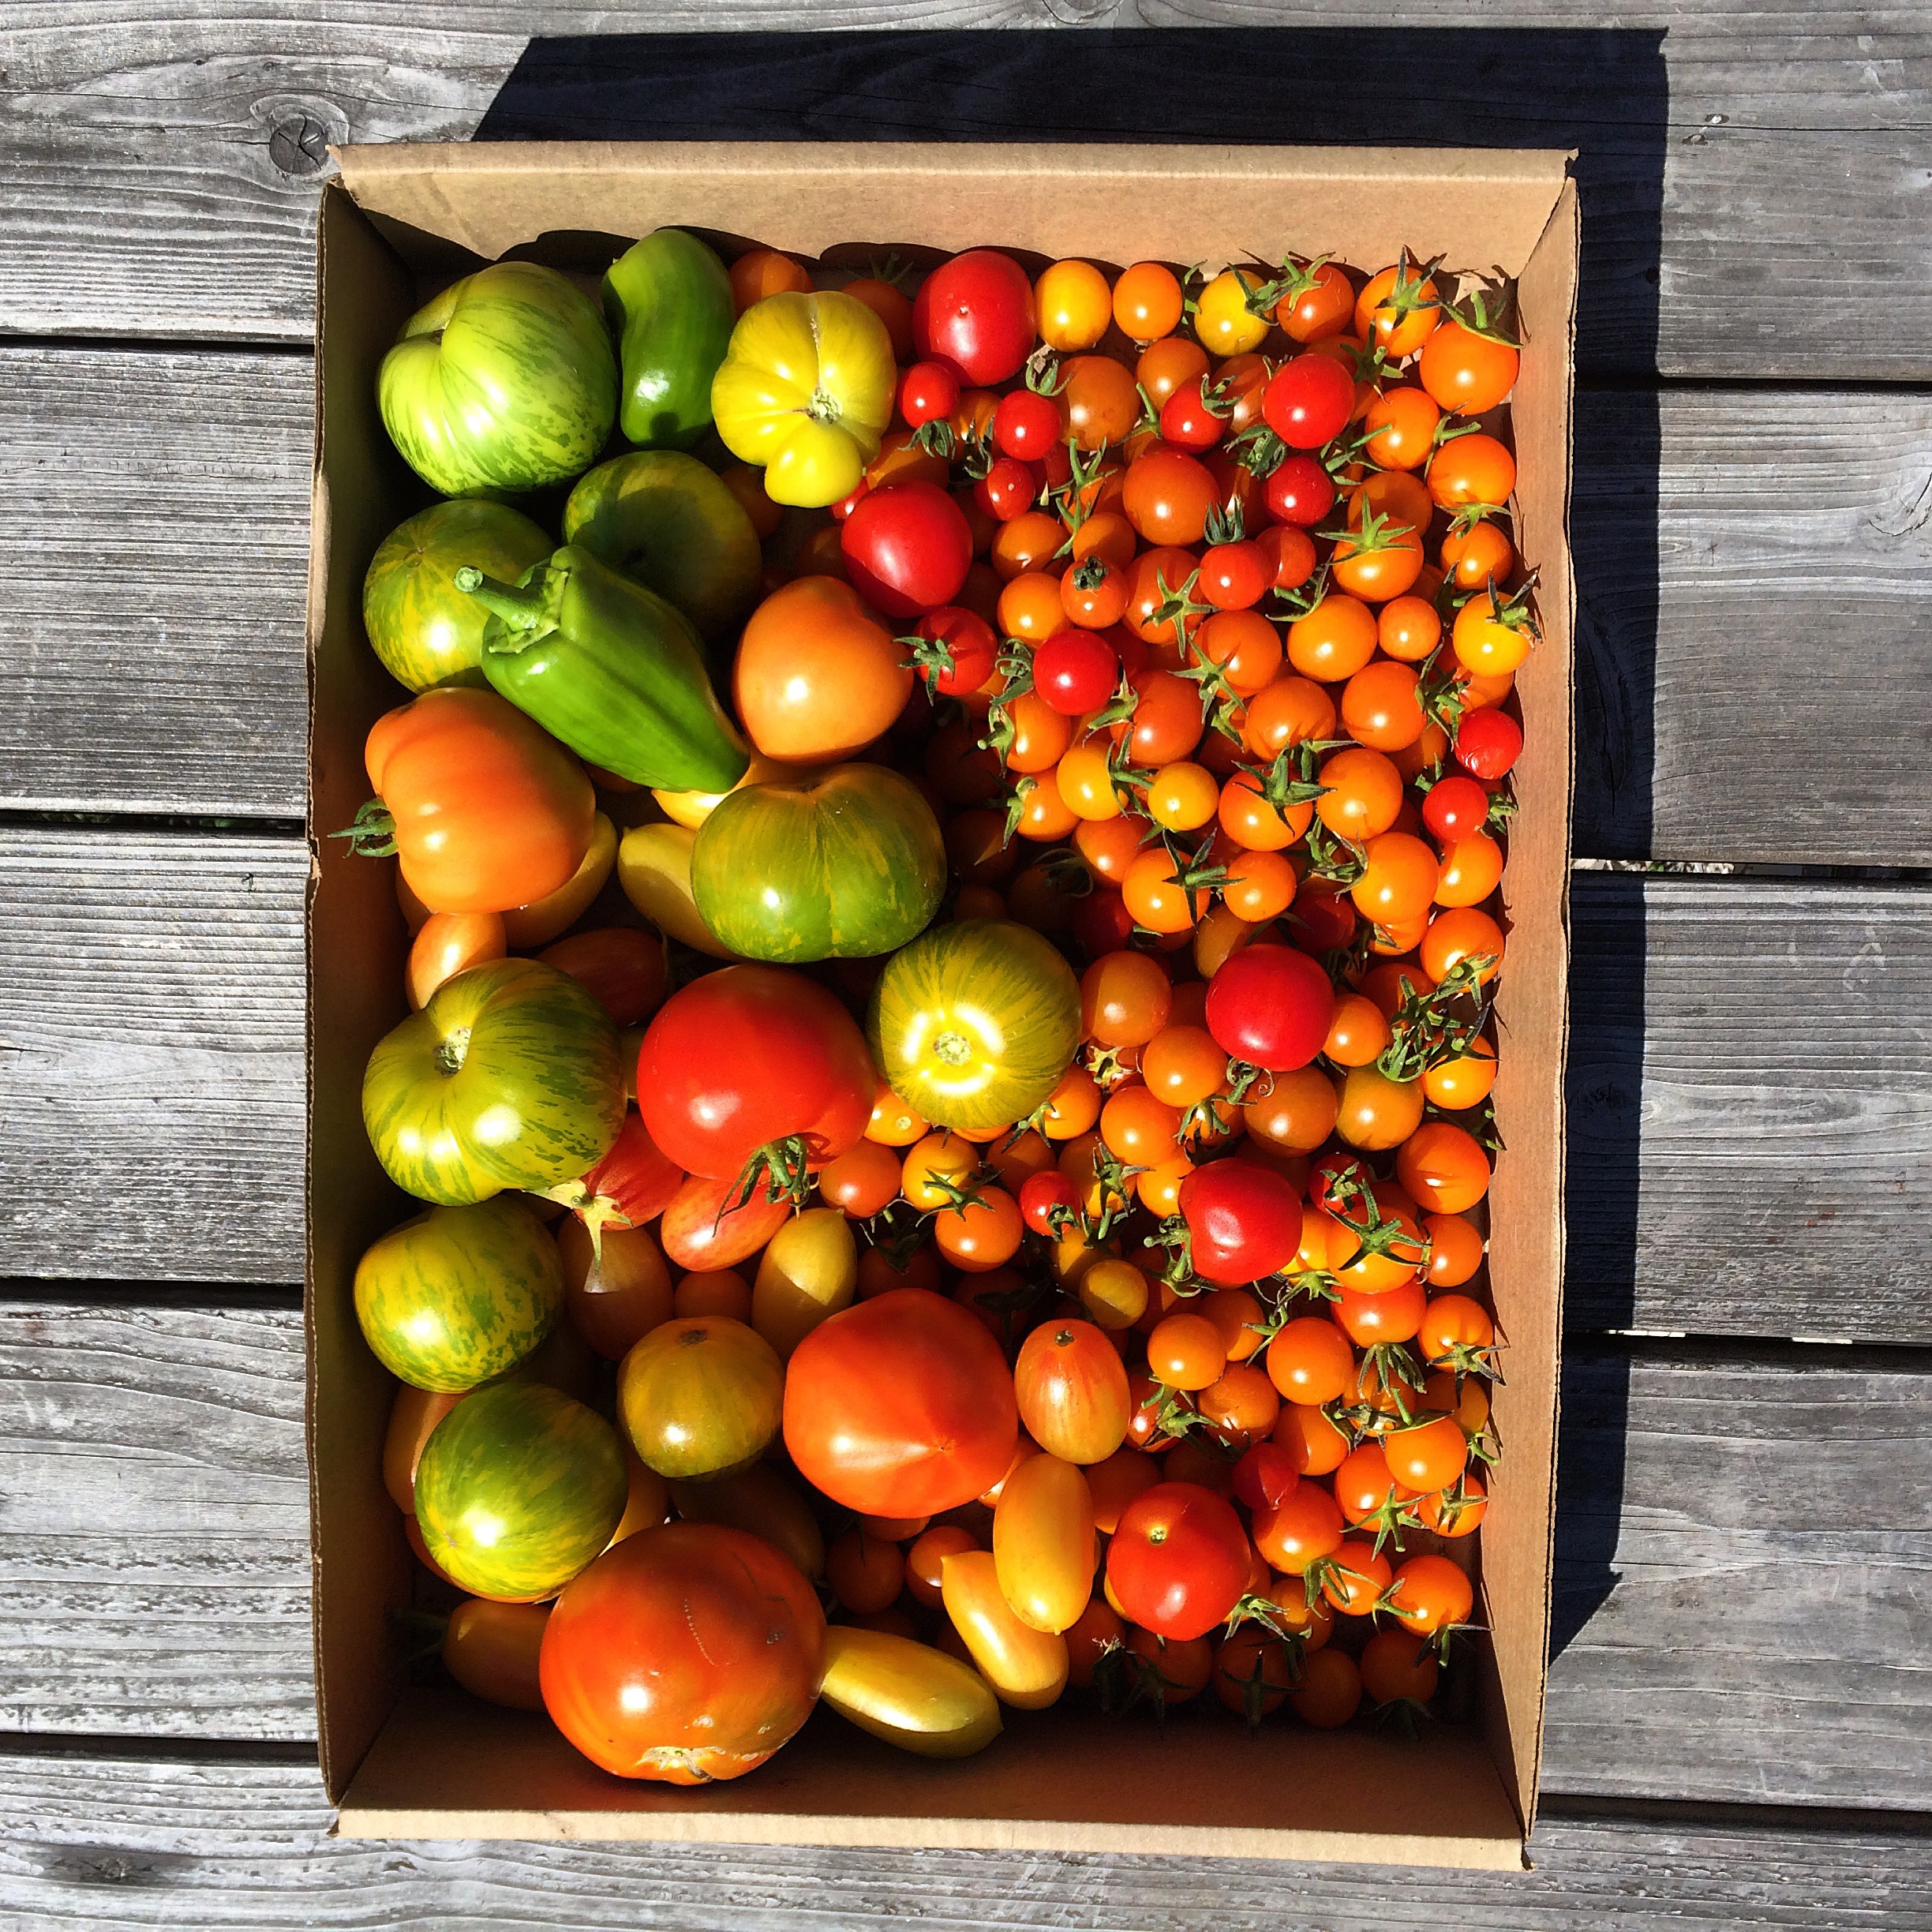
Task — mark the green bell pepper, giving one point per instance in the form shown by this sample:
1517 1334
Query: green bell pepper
669 303
609 668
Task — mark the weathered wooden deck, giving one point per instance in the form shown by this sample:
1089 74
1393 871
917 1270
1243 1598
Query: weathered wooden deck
1740 1715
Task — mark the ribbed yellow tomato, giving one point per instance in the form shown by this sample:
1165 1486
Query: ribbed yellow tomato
806 390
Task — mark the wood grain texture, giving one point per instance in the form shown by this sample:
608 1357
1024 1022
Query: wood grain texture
1715 1513
150 1056
1751 176
1749 1120
152 659
154 538
108 1842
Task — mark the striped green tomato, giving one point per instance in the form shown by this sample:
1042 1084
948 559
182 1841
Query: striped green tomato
506 382
460 1295
424 629
974 1023
519 1489
845 866
510 1077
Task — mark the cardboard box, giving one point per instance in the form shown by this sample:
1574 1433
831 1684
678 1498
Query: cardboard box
405 1763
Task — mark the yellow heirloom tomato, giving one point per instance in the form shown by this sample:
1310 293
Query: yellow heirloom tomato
806 389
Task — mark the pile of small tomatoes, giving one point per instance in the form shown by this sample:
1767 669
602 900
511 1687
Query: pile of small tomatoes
1089 1298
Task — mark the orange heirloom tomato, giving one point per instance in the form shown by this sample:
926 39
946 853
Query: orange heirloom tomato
1043 1548
487 811
817 677
1073 1391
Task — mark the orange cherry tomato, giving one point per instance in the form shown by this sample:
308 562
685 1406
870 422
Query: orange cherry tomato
1443 1166
1398 309
1029 541
1365 793
761 272
1170 363
1147 301
1074 304
1408 628
1379 707
1155 898
1462 933
1101 401
1260 886
1030 607
450 943
1466 372
1357 1032
1041 736
1471 469
1072 1106
1124 1000
1288 711
1333 641
1182 796
1245 647
1402 426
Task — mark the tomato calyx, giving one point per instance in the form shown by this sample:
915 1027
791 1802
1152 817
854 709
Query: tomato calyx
1412 292
1441 1024
779 1170
1332 857
1116 710
372 834
1070 499
1124 1679
1473 312
935 436
1369 535
1439 690
1296 279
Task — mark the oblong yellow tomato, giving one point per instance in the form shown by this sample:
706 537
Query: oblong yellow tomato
809 1271
908 1693
1027 1668
654 869
491 1649
1043 1543
527 927
693 808
975 1023
806 390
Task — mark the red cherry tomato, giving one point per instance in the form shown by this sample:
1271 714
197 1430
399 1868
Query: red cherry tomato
1270 1006
1267 1474
1007 489
1487 742
1243 1221
906 548
1308 401
927 393
1075 671
975 316
964 637
1179 1561
1048 1200
1026 424
1299 492
1455 808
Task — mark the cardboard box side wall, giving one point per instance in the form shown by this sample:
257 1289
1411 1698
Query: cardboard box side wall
442 1765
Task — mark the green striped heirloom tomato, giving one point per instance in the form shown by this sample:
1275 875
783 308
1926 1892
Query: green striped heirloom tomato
520 1492
510 1077
506 382
846 867
701 1396
460 1295
424 629
669 301
974 1023
666 519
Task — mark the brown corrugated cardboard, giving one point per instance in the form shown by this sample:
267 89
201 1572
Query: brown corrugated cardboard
428 1765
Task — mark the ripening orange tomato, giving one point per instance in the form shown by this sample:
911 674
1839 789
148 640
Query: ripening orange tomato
1260 886
1364 794
1296 1114
1030 541
1481 554
761 272
1041 735
1029 607
1072 1106
1443 1166
1399 309
1254 824
1464 1082
1181 796
1471 869
1147 301
1377 564
1245 646
1455 1250
1462 933
1170 364
1085 781
1408 628
1356 1033
1400 423
1466 372
1374 1113
1398 880
1108 845
1124 1000
1074 304
1101 403
1138 1128
1333 641
1379 707
1155 897
1491 639
1471 469
1043 1548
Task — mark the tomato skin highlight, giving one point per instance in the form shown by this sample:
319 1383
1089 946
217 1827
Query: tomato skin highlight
901 1406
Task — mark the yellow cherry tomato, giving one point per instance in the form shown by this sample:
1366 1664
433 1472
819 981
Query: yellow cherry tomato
1075 305
806 390
1027 1668
1043 1552
1491 638
908 1693
1182 796
1224 322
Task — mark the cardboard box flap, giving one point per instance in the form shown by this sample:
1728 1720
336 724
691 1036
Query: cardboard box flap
1043 199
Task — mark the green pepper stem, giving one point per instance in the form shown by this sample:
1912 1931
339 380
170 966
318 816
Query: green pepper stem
523 608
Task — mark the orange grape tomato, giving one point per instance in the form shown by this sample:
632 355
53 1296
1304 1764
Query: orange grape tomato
1147 301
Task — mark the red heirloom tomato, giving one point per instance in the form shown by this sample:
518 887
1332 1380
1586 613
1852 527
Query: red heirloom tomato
902 1406
755 1061
1178 1562
633 1183
908 548
684 1654
975 316
1270 1006
1243 1221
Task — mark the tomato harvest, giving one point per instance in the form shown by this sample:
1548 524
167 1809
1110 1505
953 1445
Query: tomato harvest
1004 1162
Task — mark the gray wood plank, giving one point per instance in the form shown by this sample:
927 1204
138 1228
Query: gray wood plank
1750 173
151 657
1749 1110
153 540
113 1842
1749 1118
1717 1513
150 1056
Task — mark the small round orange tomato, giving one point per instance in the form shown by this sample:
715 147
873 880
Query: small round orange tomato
862 1180
1182 796
1028 542
1114 1293
1185 1352
1455 1250
1317 1445
1471 869
1456 1511
1245 646
1286 711
1167 497
1380 708
1429 1593
1330 1692
1356 1033
1074 306
866 1573
1029 607
1167 723
893 1123
1374 1113
1124 999
1041 735
1378 565
1254 824
1085 783
1138 1128
761 272
1490 639
1365 793
1465 1082
1398 880
1045 815
1170 364
1333 641
1426 1456
1240 1404
1408 628
1183 1066
980 1234
1072 1106
1260 886
1094 593
1466 372
1318 302
1471 469
1101 401
1158 1189
1401 423
1147 301
935 1167
450 943
1398 310
1108 845
1481 554
1107 535
1296 1114
1155 898
1443 1166
1461 933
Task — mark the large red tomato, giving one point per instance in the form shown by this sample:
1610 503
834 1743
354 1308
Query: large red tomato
908 548
684 1654
975 316
1270 1006
754 1063
1243 1221
1179 1560
902 1406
